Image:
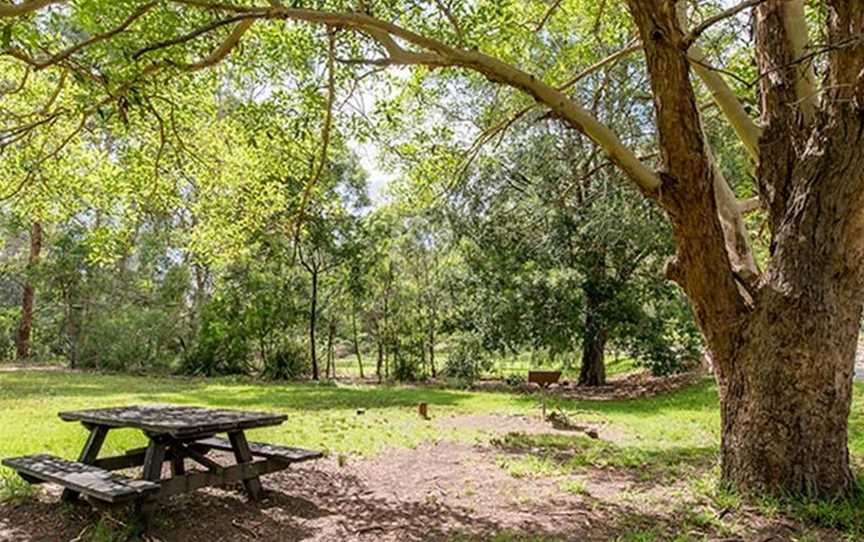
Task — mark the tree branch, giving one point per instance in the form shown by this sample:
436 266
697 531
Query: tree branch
454 22
325 138
723 15
16 10
432 53
547 15
221 52
723 95
437 54
66 53
799 39
191 35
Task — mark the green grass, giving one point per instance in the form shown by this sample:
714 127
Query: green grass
555 454
681 425
14 489
355 419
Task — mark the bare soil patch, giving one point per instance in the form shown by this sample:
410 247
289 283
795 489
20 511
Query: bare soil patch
440 490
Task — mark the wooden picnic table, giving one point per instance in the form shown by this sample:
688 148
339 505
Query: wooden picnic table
177 435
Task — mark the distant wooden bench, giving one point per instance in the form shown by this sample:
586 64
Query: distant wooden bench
283 454
88 480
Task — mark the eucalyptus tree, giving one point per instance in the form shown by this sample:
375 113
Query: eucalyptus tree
782 335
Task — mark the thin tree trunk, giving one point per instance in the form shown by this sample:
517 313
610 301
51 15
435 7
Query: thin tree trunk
357 342
25 326
313 314
331 358
380 366
432 351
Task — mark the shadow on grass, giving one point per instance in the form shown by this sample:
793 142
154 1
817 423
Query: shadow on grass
218 392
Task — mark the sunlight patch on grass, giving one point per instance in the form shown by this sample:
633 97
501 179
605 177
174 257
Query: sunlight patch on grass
573 486
531 466
563 454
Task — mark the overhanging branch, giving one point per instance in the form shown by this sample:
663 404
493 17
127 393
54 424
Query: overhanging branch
16 10
723 95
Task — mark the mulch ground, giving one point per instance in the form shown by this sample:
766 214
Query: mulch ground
438 491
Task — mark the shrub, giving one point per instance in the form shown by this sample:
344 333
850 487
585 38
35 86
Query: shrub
129 338
222 347
408 361
290 362
468 360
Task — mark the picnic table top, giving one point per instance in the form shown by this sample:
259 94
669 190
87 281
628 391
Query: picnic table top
173 420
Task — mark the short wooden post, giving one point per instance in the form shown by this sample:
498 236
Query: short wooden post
423 410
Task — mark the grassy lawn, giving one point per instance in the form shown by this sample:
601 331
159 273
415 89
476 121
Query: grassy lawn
326 416
661 439
346 419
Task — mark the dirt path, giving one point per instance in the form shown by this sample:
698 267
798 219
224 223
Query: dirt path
438 491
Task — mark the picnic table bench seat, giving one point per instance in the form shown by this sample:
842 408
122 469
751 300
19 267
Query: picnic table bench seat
89 480
284 454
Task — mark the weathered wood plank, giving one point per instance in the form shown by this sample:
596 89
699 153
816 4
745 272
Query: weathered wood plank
260 449
183 450
177 421
88 455
82 478
228 475
124 461
153 459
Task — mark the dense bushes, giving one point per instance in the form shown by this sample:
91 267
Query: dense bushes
289 362
129 338
468 360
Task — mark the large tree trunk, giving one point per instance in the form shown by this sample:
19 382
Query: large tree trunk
25 325
783 341
787 391
593 370
786 403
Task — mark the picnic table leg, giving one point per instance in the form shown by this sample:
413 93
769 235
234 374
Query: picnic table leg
178 468
88 454
243 454
153 459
